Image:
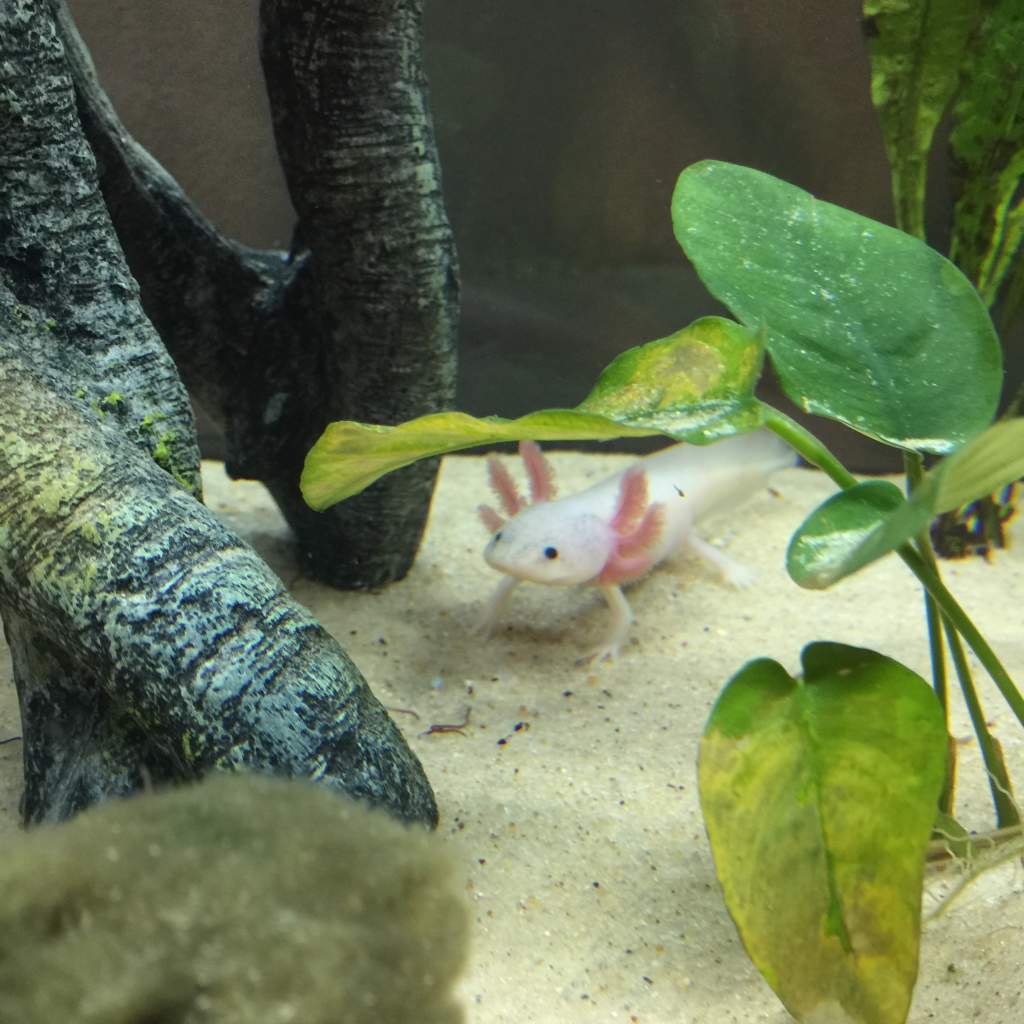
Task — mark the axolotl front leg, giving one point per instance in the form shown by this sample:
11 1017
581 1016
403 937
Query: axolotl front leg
618 627
496 606
615 635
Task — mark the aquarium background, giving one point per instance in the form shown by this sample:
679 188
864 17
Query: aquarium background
562 128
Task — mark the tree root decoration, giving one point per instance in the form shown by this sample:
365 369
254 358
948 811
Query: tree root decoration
150 643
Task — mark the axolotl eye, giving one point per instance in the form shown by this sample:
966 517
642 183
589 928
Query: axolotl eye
550 552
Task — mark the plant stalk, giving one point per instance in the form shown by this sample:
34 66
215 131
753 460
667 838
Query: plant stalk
960 621
998 778
913 464
809 447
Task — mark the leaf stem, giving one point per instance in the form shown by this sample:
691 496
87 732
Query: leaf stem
809 447
991 753
913 464
959 619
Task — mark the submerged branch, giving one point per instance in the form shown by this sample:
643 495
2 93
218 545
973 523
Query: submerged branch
186 634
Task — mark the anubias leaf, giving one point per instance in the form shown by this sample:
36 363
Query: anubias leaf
857 526
695 385
863 323
850 530
819 795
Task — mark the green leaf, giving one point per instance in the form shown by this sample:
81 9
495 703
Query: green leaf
850 530
857 526
987 141
917 49
819 797
863 323
696 385
989 462
350 456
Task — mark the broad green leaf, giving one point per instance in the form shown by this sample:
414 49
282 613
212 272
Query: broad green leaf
917 49
819 796
696 385
849 530
987 141
350 456
863 323
857 526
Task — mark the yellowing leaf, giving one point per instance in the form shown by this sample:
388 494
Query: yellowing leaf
819 796
696 385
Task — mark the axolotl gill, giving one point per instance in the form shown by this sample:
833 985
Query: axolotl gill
619 529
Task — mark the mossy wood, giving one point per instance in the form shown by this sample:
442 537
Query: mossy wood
863 323
695 385
359 320
819 794
150 642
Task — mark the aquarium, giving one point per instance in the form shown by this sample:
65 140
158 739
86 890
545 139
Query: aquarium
511 514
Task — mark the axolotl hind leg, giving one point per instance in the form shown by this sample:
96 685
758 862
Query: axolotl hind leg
732 572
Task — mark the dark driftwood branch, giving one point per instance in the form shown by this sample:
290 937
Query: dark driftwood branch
361 324
348 98
148 642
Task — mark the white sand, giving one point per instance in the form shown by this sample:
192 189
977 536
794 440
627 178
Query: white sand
587 868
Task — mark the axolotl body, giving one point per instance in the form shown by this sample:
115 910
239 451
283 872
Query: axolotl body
619 529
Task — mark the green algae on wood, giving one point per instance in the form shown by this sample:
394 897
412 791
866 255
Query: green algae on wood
181 637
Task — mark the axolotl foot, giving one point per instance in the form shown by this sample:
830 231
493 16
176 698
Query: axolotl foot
605 652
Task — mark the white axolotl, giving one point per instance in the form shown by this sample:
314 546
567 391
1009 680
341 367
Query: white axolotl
617 530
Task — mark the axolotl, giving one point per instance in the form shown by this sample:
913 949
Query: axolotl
619 529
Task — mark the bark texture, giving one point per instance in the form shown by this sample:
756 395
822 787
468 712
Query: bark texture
358 321
148 642
198 658
348 99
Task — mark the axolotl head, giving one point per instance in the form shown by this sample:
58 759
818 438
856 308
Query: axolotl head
542 544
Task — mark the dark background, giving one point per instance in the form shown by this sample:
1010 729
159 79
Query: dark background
562 128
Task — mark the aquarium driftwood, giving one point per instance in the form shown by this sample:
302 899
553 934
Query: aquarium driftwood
149 644
359 320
